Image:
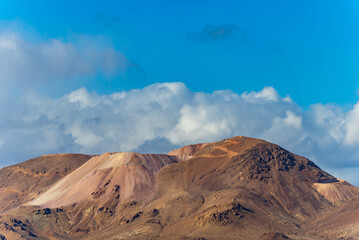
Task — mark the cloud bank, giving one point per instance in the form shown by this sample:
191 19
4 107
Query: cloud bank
163 116
26 62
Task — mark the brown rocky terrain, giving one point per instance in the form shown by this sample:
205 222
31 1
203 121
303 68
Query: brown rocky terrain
125 176
238 188
342 223
337 192
23 182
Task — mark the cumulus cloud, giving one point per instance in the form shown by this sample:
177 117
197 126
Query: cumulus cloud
352 126
24 61
267 94
163 116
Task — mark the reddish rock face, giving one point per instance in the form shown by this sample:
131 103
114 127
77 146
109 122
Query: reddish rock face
238 188
189 150
130 176
23 182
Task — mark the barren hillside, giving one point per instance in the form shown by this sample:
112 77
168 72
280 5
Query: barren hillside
238 188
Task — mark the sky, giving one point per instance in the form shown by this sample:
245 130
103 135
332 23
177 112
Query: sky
150 76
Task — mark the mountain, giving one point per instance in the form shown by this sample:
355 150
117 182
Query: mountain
123 176
23 182
237 188
342 223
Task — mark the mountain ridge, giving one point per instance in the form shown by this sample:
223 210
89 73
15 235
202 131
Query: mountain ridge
36 175
237 188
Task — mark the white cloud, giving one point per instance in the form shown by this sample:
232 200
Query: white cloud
267 94
199 123
25 61
286 130
83 98
352 126
169 114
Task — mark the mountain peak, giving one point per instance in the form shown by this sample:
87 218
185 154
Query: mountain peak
232 188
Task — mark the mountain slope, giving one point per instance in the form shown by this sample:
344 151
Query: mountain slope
272 187
337 192
127 175
342 223
23 182
238 188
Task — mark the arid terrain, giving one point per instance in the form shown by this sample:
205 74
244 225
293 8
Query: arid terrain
237 188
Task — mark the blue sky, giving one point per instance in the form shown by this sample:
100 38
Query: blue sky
306 49
149 76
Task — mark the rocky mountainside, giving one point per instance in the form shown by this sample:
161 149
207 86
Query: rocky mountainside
238 188
23 182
